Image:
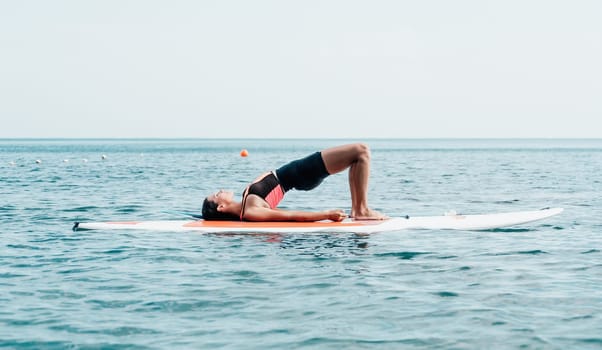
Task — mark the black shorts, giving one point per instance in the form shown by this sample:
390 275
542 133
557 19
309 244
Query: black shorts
303 174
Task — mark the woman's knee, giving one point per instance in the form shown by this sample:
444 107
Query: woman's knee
362 151
339 158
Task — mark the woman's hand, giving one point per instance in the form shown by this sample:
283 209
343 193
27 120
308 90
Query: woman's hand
336 215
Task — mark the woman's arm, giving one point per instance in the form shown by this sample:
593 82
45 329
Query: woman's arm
267 214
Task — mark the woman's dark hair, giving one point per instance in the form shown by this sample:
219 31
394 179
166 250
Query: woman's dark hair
210 212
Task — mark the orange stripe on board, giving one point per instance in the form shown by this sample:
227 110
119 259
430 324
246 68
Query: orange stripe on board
279 224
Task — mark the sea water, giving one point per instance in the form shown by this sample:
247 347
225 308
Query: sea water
535 286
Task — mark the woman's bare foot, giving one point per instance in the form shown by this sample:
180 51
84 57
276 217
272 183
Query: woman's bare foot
368 214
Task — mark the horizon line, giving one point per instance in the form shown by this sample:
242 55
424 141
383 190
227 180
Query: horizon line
295 138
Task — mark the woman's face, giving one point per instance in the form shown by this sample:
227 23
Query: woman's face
221 197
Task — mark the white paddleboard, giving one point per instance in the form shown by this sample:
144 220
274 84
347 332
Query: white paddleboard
443 222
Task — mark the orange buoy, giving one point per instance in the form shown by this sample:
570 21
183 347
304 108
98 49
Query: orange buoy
244 153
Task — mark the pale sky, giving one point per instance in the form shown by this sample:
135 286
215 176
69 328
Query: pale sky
301 69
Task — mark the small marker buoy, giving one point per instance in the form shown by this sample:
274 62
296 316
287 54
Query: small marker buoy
38 161
244 153
11 163
104 157
85 160
65 160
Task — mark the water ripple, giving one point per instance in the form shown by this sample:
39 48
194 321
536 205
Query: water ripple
402 255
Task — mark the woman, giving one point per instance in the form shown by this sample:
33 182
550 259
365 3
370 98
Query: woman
260 199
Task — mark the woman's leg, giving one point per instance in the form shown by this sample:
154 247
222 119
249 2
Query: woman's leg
356 157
